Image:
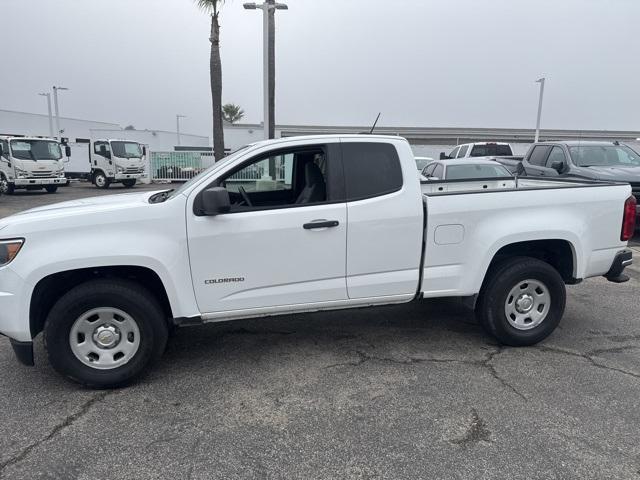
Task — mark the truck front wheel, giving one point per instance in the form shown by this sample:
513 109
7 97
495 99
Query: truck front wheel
129 183
100 180
6 188
522 301
105 333
51 188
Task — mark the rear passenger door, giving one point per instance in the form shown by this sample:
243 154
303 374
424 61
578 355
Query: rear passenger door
385 220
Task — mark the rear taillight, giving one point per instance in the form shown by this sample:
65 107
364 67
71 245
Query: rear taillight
628 219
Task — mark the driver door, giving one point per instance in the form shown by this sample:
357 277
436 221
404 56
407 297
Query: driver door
283 242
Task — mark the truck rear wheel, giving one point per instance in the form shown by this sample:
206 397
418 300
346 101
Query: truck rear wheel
105 333
100 180
51 188
129 183
522 301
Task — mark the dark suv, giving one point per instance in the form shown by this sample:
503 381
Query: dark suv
609 161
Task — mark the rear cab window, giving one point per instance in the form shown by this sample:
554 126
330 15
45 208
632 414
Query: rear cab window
491 150
370 169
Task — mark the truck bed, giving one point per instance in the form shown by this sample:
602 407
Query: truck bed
440 187
471 216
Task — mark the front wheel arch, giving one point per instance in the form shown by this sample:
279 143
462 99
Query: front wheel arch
52 287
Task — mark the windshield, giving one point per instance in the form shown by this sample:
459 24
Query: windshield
126 149
35 150
604 156
463 172
423 162
231 157
491 150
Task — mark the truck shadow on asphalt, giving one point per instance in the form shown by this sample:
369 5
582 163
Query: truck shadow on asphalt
428 327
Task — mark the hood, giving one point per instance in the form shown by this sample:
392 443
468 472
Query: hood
84 206
35 165
617 173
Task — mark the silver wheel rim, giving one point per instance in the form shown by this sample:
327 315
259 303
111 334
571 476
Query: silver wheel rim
527 304
4 186
104 338
100 180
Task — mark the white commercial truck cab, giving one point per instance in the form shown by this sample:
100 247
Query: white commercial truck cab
296 225
31 163
116 161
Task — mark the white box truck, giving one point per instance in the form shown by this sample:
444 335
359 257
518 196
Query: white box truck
31 163
108 161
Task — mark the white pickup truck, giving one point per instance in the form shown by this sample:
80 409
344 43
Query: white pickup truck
297 225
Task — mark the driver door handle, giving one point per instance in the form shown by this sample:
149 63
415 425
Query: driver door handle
320 224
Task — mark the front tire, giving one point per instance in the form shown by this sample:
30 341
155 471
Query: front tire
6 188
51 189
129 183
100 180
105 333
522 301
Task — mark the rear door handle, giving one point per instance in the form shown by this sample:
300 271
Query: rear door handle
321 224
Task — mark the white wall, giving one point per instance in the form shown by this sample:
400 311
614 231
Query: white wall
157 140
22 123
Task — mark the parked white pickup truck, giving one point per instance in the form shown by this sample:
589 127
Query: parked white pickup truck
297 225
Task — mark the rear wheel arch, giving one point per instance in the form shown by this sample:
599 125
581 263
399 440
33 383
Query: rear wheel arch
561 254
52 287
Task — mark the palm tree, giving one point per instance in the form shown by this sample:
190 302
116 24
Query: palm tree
212 7
232 112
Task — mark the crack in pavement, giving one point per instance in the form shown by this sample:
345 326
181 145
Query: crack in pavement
68 421
588 357
364 357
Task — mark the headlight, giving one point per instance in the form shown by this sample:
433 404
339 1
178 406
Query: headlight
119 169
61 173
9 249
20 173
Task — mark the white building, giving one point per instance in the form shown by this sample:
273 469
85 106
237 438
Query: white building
81 131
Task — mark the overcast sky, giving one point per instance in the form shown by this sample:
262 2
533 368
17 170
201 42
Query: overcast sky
434 63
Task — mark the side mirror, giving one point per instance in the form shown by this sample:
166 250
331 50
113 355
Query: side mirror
1 151
67 151
443 156
558 166
215 201
144 150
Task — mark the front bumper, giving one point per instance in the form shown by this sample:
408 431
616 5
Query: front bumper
23 351
128 176
623 259
25 182
14 314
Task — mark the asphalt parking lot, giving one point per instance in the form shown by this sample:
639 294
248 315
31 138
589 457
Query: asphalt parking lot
412 391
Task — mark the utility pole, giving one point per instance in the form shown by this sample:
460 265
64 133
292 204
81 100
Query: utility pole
55 104
48 95
541 82
178 117
268 60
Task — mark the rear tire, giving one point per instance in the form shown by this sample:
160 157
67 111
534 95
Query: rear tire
129 183
105 333
51 189
521 301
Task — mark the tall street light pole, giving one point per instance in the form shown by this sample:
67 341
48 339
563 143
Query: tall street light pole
541 82
178 117
55 104
48 95
268 60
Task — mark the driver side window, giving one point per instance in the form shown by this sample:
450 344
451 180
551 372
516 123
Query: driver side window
292 177
5 148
